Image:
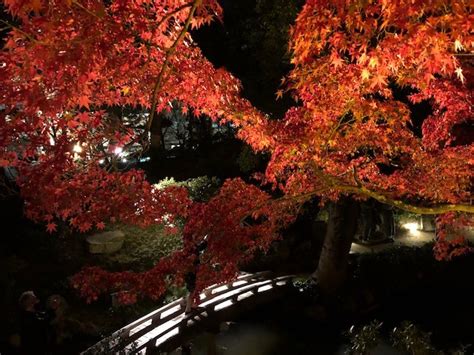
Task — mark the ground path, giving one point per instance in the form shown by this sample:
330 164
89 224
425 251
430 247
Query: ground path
405 237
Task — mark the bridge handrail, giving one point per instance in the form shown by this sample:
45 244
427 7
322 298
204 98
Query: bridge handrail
212 302
155 319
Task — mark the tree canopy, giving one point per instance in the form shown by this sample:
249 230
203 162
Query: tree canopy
357 69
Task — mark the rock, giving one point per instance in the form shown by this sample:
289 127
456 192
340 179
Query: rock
106 242
427 223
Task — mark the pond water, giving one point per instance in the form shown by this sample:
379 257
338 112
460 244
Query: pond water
262 338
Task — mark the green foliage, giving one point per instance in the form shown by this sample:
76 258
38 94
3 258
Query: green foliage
364 339
143 247
248 160
174 293
408 338
401 216
201 188
323 215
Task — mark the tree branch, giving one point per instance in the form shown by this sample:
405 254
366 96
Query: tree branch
27 35
428 210
82 7
361 190
332 184
169 53
174 12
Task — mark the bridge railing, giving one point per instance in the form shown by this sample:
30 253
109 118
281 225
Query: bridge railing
156 328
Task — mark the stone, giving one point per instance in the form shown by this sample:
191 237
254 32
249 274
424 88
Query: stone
427 223
105 242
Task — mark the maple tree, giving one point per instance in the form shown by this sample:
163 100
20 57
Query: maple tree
350 135
62 67
353 134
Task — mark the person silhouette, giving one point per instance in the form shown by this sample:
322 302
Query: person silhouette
33 325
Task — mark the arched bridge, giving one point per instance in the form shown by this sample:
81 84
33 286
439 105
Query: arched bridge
168 327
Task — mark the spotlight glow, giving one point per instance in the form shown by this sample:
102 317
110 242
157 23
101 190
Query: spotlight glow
118 150
412 227
77 148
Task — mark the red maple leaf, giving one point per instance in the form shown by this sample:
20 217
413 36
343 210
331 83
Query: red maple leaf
51 227
83 101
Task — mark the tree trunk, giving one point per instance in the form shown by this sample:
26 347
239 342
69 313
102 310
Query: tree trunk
341 228
157 148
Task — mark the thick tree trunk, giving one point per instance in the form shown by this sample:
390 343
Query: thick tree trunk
342 225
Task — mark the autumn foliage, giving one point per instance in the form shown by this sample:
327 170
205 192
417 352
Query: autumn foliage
359 67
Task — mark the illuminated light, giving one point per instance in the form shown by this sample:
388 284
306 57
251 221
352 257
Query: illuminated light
140 327
77 148
412 228
243 275
264 288
244 296
166 336
101 161
223 305
118 150
170 311
231 293
239 283
220 288
124 160
166 329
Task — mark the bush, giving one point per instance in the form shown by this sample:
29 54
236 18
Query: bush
364 339
142 247
249 161
407 338
200 189
410 339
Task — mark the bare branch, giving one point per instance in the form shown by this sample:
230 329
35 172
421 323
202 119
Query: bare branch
82 7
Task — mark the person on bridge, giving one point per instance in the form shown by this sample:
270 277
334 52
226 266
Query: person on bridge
191 275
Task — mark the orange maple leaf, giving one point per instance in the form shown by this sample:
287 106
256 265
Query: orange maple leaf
84 101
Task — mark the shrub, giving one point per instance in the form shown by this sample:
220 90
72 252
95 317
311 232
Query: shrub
201 188
143 247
